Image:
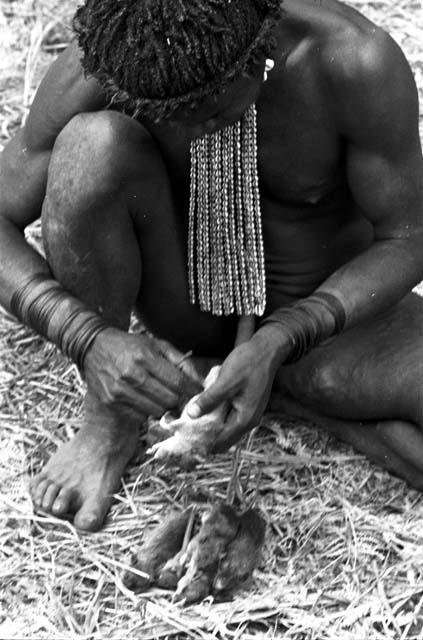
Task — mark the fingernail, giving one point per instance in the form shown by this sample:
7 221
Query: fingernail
194 411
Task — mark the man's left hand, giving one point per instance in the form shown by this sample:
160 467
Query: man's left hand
245 381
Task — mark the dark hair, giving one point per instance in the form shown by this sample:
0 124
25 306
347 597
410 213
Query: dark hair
154 56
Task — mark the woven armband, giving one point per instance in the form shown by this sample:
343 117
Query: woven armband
305 322
45 307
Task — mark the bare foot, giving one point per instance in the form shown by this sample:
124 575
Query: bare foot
84 473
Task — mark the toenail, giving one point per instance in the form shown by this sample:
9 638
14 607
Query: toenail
88 523
59 506
56 507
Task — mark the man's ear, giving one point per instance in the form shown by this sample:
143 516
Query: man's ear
255 69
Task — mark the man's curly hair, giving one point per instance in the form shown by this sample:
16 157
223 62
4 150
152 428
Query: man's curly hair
154 56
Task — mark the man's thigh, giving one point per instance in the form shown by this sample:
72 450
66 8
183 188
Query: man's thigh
371 371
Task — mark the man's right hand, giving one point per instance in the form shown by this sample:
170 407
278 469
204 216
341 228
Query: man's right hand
138 374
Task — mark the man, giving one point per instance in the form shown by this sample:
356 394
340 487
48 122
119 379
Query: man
340 178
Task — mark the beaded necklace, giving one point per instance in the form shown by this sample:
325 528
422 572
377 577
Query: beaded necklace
225 244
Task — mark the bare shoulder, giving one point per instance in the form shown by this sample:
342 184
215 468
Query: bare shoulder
361 53
369 83
64 92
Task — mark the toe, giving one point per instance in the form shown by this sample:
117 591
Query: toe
33 484
91 515
50 496
62 502
39 491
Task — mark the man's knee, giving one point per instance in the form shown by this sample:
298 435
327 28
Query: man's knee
95 154
316 385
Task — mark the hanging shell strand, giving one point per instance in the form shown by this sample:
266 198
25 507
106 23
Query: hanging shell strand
226 270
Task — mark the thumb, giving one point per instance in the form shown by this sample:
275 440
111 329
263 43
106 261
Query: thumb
209 399
230 434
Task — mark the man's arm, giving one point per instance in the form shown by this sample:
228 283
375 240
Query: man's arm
116 361
375 108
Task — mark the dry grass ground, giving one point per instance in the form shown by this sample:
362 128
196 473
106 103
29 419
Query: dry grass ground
344 551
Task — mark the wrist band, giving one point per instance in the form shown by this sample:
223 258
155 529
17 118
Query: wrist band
305 322
43 305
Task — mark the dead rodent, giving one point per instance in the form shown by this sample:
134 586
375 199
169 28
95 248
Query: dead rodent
188 439
171 572
161 544
194 586
220 557
242 554
219 527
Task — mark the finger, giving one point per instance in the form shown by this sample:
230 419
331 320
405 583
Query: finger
159 393
233 431
139 403
190 387
174 379
188 367
165 372
181 361
241 418
158 366
168 350
210 398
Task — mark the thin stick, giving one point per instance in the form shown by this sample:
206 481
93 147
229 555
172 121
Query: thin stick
188 530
